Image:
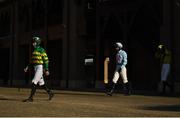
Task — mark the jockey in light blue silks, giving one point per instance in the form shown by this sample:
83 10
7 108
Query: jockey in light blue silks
121 62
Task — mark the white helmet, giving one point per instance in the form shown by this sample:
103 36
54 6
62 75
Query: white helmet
118 44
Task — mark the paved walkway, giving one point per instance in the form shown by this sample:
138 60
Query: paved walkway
85 104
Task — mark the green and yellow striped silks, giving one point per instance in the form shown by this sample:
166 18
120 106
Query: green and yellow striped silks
39 57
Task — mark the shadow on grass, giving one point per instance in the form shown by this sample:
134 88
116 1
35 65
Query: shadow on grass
76 93
22 100
120 92
174 108
9 99
154 93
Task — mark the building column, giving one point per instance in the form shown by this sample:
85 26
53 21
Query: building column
175 36
73 48
71 62
165 29
65 56
14 45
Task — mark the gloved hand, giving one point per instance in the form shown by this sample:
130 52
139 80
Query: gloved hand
26 69
46 73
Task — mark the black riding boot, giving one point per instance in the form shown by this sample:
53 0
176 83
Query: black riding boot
171 87
112 89
50 93
33 91
127 90
164 87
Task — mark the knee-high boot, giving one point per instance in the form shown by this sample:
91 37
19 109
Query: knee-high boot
127 90
164 87
112 89
171 86
50 93
33 91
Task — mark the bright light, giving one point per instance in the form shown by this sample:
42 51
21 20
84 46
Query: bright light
89 61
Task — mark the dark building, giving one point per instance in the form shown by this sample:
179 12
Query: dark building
79 34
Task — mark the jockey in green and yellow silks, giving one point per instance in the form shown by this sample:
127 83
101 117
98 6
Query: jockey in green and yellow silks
39 61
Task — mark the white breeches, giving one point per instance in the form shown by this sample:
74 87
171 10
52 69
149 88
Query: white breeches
38 76
123 75
165 72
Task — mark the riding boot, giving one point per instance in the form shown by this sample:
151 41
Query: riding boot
50 93
112 89
127 90
164 87
171 86
33 91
